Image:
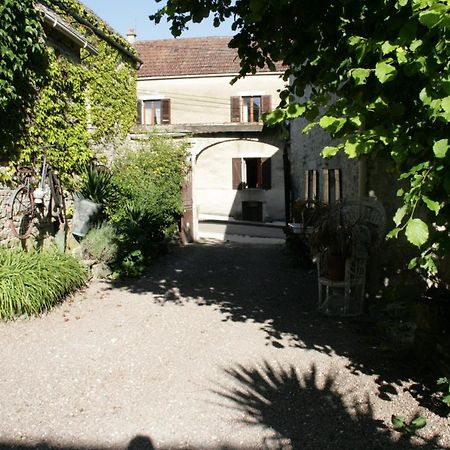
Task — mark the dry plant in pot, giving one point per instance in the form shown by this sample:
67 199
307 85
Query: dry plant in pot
339 232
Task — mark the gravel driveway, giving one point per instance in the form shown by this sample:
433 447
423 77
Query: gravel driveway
217 347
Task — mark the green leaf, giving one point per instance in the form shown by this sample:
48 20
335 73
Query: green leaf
274 117
412 263
385 72
295 110
446 399
419 422
431 18
417 232
443 380
308 127
398 422
351 148
328 151
432 205
387 47
360 75
398 217
440 148
393 233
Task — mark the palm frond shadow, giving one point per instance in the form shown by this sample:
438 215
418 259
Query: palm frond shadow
307 411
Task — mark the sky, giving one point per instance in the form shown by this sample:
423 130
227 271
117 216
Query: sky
123 15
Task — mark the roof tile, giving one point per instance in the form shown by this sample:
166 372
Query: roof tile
189 56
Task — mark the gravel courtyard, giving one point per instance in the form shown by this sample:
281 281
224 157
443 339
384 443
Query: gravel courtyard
217 347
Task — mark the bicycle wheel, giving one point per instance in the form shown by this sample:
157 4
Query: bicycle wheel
22 212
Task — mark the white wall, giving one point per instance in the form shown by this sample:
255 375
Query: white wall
213 188
206 99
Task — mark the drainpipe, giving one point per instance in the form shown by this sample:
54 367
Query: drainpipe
287 182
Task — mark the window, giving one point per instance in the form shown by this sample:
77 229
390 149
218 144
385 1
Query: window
331 187
249 108
251 173
153 112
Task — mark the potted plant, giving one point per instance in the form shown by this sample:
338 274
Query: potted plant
340 230
94 189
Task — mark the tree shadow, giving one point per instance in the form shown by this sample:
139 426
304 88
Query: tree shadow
309 411
256 283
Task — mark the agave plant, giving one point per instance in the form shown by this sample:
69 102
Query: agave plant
95 184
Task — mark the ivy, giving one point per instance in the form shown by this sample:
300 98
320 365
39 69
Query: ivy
22 69
68 98
380 78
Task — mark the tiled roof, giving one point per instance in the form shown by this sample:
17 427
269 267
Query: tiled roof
188 56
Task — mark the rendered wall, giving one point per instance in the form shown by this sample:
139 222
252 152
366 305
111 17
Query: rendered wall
213 187
207 99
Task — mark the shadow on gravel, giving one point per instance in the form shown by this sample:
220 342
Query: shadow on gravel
137 443
308 412
257 283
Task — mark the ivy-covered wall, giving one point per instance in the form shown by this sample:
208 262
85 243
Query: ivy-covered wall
77 104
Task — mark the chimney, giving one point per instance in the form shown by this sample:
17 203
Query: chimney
131 36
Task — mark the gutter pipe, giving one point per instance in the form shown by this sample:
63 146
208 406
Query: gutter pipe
102 35
54 21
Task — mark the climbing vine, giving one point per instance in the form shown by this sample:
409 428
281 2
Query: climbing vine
77 104
22 70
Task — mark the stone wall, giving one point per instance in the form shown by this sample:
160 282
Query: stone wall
6 237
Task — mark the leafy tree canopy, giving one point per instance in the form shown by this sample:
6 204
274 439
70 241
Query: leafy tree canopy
380 83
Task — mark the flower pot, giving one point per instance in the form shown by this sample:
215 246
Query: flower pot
85 215
335 267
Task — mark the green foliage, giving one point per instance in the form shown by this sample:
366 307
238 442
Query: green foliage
444 384
95 184
98 93
147 202
400 424
379 75
101 244
32 283
22 69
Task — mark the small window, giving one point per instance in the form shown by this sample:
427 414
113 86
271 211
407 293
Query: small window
251 173
153 112
249 109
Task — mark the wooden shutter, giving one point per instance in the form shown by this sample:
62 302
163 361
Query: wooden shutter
235 109
266 173
311 185
266 103
326 186
139 112
237 173
165 112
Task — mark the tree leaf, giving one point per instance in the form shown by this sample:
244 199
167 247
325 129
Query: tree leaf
440 148
385 72
360 75
432 205
417 232
393 233
387 47
328 151
400 213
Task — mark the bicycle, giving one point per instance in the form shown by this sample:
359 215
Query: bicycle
27 203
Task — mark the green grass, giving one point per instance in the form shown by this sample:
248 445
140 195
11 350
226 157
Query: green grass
32 283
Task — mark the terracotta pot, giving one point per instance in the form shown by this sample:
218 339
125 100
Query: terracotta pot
335 267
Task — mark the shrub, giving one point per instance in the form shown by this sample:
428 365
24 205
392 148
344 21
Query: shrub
147 202
31 283
100 244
